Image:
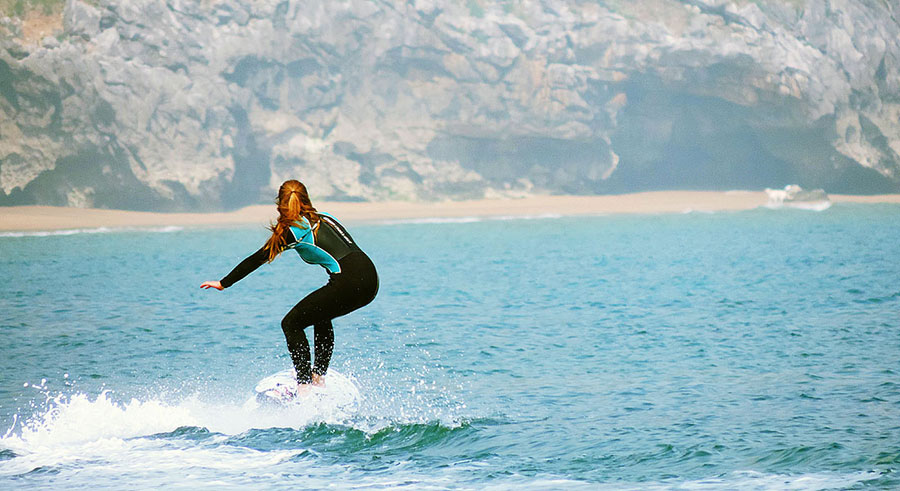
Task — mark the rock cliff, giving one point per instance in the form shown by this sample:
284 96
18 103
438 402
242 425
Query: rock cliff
180 104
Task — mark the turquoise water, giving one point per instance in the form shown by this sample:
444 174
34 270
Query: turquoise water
751 350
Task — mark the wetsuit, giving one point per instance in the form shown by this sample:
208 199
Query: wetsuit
352 283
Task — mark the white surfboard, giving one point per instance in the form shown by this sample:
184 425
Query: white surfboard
281 389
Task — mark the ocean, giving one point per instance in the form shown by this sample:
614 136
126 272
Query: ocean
736 350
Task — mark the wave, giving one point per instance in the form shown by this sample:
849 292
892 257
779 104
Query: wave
192 441
757 480
96 230
398 437
739 480
467 219
809 206
78 431
793 196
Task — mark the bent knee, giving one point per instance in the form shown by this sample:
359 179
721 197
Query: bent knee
297 319
292 322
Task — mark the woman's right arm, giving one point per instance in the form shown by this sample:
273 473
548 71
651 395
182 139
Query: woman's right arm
245 267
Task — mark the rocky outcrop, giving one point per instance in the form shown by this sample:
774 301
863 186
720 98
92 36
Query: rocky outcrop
175 104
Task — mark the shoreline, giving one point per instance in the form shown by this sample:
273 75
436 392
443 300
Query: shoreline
51 218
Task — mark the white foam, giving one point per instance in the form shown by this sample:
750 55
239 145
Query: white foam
84 429
77 419
467 219
124 457
793 196
758 480
753 480
96 230
810 206
739 480
80 428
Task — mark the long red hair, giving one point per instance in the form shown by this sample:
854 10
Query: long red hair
293 203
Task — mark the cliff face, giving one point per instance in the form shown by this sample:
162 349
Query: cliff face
177 104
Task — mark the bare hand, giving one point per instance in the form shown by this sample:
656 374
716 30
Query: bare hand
212 284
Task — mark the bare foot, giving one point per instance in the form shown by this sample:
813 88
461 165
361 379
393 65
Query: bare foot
303 389
318 380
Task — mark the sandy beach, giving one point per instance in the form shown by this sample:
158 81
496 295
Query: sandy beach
34 218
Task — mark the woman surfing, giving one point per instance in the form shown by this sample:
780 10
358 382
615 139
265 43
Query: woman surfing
319 239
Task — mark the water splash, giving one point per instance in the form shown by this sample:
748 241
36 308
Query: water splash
161 430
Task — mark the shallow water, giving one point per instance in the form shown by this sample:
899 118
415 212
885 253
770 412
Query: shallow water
750 350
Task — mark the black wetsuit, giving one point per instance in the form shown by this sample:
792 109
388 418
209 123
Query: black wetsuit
354 286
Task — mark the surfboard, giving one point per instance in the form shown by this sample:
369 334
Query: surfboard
281 389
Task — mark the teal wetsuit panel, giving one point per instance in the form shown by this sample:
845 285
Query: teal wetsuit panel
309 252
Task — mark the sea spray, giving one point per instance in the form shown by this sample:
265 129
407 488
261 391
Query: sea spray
75 429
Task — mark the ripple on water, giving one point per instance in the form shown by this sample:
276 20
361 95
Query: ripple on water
392 439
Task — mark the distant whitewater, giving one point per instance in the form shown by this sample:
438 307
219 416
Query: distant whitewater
793 196
93 230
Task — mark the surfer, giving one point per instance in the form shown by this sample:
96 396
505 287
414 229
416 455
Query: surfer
319 239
